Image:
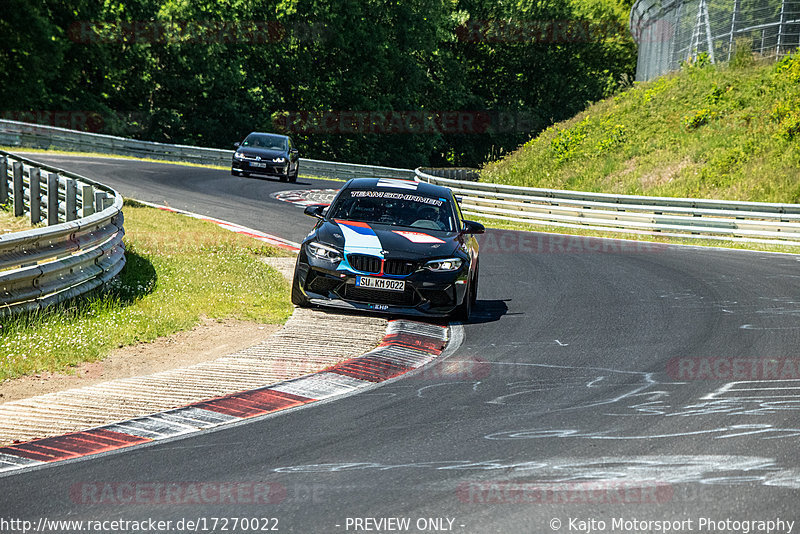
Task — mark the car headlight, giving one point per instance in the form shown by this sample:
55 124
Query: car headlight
439 266
278 160
324 252
238 155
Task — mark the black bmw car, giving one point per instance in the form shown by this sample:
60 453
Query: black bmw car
268 154
391 246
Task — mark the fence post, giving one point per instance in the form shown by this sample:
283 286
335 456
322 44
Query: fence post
780 30
709 41
71 199
673 61
18 190
3 180
52 198
87 200
733 28
35 189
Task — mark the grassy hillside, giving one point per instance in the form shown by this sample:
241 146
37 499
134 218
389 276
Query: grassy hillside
727 132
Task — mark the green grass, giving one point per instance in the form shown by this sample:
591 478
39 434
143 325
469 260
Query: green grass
178 270
723 132
9 223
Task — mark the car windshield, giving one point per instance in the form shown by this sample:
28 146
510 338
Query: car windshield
394 209
270 142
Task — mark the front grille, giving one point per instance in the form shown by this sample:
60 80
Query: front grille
399 267
364 263
377 296
372 264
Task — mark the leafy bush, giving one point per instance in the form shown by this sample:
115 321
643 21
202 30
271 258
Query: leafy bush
698 119
615 137
567 140
790 125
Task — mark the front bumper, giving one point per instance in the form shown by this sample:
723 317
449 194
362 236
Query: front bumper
254 167
426 293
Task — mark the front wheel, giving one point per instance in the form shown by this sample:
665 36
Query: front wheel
298 298
464 311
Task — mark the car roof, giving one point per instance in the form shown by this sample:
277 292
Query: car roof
395 184
266 133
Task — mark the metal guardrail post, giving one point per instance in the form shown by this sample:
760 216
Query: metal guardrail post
52 198
71 198
753 222
99 197
18 190
43 266
87 200
35 180
3 180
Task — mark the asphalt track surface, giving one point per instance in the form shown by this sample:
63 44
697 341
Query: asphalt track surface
564 401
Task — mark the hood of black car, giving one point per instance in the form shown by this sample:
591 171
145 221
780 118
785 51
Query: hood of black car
388 241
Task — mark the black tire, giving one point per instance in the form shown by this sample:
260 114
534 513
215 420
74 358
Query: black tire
298 298
474 285
284 177
464 310
293 177
246 174
235 172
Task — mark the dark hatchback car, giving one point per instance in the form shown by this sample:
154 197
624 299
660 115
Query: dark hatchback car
267 154
390 246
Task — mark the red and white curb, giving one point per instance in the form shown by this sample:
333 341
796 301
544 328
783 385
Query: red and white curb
233 227
407 345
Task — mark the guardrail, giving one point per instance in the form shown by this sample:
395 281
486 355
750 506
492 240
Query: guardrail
23 134
79 249
754 222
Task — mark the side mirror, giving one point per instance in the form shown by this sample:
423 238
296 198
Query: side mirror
294 151
236 144
472 227
315 210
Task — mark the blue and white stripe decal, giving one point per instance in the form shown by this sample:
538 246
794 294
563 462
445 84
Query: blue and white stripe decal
398 184
359 238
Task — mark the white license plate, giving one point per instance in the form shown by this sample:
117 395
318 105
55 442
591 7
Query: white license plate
380 283
262 165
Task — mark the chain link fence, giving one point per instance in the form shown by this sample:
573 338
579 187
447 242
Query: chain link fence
672 31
